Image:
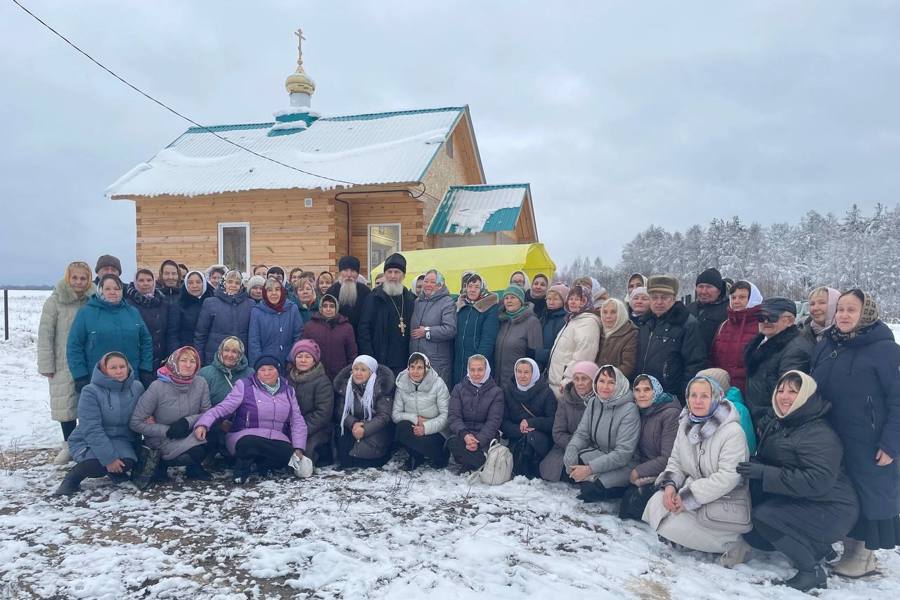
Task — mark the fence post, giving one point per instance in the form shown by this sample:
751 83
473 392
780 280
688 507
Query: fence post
5 314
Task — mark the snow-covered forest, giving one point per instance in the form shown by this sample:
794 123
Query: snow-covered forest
787 259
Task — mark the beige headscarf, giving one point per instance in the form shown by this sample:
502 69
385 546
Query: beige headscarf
807 389
621 316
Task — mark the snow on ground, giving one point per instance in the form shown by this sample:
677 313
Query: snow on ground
365 534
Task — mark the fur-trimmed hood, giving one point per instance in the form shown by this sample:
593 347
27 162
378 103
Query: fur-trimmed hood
481 305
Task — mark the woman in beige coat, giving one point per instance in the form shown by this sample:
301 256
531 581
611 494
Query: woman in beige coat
67 297
619 344
578 340
703 503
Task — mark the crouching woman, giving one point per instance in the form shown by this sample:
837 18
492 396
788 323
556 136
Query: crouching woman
600 455
267 426
476 413
363 400
702 504
102 443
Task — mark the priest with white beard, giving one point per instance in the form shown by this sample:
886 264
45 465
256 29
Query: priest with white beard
351 294
384 330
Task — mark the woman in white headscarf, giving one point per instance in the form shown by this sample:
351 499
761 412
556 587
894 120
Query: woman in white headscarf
528 419
619 342
363 401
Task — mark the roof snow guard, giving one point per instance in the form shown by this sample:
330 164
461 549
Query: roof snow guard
369 149
471 209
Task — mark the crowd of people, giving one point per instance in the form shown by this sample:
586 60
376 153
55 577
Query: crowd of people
724 424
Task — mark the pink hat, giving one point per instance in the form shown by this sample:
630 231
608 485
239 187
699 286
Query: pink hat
585 367
308 346
561 289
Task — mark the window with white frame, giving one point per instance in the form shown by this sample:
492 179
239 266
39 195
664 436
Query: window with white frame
234 245
384 240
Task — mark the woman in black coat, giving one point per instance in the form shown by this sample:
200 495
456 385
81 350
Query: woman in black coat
802 499
857 367
528 418
188 304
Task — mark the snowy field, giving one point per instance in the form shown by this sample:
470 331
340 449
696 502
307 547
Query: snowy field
368 534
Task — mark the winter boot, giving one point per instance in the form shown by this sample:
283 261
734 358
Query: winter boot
412 461
242 470
196 471
70 484
591 491
442 461
161 474
63 457
808 580
857 560
736 554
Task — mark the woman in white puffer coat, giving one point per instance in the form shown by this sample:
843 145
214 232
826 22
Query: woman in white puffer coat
578 340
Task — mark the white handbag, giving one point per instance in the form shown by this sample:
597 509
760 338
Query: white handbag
498 465
303 467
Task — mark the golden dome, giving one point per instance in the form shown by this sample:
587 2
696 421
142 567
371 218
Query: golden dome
299 82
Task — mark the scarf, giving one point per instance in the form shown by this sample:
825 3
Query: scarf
717 396
622 389
272 389
487 371
868 318
621 316
582 293
170 372
659 395
535 374
279 305
482 293
368 393
833 296
807 389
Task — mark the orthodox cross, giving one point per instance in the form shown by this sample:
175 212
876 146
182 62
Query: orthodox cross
300 38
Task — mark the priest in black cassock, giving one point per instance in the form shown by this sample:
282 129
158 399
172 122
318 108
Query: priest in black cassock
384 323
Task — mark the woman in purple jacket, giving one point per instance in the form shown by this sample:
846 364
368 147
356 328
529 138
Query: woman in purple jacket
267 426
476 412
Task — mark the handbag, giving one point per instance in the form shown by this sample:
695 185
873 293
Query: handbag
729 513
302 467
142 473
498 465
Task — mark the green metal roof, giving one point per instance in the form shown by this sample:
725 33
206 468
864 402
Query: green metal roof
471 209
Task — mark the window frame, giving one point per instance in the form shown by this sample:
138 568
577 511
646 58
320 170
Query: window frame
369 227
234 224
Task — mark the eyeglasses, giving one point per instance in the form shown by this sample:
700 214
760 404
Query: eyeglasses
768 318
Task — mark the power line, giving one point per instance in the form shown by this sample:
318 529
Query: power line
178 114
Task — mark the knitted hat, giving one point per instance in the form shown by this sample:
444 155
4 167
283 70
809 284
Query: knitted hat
664 284
720 376
516 291
308 346
348 262
256 281
395 261
585 367
267 360
711 277
108 260
638 291
561 289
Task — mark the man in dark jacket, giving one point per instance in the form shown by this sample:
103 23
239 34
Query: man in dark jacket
159 316
669 346
711 306
778 348
350 293
383 331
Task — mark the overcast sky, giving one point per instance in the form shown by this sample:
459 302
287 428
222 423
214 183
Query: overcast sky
619 114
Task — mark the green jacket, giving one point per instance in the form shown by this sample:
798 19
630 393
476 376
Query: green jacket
221 379
101 327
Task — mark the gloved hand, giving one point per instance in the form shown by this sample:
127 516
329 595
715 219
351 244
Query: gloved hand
80 383
751 470
146 377
179 429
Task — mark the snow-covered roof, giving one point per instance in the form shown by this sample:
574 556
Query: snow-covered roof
393 147
470 209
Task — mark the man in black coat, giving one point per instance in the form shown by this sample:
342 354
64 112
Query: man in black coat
711 306
351 294
669 346
384 324
778 348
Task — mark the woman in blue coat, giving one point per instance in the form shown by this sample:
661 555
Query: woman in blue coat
227 313
857 369
477 324
102 443
106 323
275 324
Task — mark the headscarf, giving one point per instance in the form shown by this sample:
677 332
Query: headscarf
756 296
487 370
638 291
282 297
717 395
833 296
633 275
622 389
412 357
101 364
368 393
867 318
659 395
597 294
211 268
621 316
808 387
202 278
523 274
438 279
482 293
519 293
230 340
170 371
585 294
73 266
329 297
535 374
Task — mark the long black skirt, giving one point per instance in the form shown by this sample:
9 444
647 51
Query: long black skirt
881 534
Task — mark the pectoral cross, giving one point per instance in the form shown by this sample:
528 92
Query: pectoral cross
402 327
